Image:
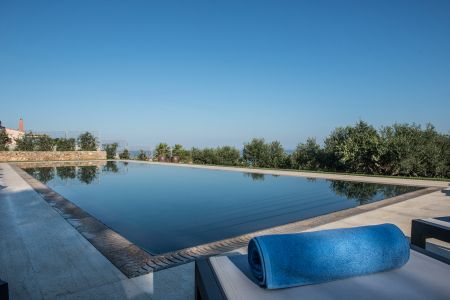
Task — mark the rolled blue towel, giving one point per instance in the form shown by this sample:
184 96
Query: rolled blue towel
286 260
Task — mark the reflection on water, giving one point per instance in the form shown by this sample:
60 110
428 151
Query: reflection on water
255 176
162 208
44 175
364 192
66 172
87 174
82 174
111 166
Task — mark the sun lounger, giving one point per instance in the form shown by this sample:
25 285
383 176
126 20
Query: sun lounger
438 228
3 290
229 277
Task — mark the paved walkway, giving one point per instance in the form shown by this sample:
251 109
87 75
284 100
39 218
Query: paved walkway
43 257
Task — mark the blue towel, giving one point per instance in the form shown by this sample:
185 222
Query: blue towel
286 260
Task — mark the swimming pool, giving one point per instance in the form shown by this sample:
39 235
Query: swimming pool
167 208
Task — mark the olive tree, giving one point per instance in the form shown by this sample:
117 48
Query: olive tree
277 155
64 144
5 140
142 155
87 142
125 154
307 156
257 153
355 148
43 143
25 143
227 155
111 150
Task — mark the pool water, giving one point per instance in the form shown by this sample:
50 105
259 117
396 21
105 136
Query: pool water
166 208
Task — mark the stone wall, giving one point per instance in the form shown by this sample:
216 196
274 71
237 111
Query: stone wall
50 155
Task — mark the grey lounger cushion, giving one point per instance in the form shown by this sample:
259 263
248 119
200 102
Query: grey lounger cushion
421 278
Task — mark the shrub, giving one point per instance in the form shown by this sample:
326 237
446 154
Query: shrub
43 143
87 142
111 150
25 143
277 156
64 144
227 155
4 140
181 153
125 154
257 153
162 151
308 156
206 156
355 148
142 155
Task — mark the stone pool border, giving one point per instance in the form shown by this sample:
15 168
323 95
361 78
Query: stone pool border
134 261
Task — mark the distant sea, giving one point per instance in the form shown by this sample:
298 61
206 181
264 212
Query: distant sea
134 153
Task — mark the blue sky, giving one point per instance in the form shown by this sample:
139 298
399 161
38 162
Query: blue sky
208 73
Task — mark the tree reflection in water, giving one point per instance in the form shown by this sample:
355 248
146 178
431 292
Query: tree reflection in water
87 174
111 166
359 191
44 175
255 176
364 192
66 172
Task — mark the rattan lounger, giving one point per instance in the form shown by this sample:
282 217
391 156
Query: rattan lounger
423 277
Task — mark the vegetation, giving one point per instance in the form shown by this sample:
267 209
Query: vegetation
397 150
111 150
226 155
142 155
43 143
258 153
125 154
87 142
308 156
63 144
162 152
182 154
25 143
4 140
406 150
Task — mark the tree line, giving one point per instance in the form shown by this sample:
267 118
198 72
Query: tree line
43 142
397 150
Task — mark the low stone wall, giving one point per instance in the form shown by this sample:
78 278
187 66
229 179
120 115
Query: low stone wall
50 155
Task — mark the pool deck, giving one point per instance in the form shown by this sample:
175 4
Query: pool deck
42 256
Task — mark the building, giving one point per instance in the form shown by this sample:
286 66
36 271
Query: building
13 133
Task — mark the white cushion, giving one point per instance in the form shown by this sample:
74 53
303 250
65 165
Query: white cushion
421 278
